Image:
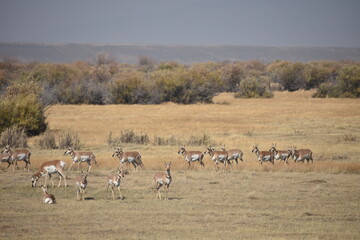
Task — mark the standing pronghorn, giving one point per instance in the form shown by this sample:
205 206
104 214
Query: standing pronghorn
217 157
280 154
81 183
128 157
300 155
79 157
114 182
7 157
163 178
263 156
233 154
19 155
48 168
48 198
192 156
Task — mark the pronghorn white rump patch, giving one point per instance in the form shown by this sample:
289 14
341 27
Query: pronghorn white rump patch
21 156
48 201
194 158
50 168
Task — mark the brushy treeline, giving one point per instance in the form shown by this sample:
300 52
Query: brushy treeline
27 88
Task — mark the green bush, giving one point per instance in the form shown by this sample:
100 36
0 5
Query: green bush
253 87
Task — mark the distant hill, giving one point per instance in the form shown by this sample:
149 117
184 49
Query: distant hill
186 54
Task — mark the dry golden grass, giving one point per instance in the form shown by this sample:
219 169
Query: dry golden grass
294 201
201 205
289 119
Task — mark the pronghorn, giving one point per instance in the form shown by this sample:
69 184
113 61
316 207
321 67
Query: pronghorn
19 155
163 178
48 168
48 198
114 182
263 156
79 157
128 157
192 156
233 154
300 155
280 154
7 157
81 183
217 156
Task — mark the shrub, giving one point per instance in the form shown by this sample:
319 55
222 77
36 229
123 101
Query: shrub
22 108
127 136
47 140
161 141
69 138
200 140
252 87
14 137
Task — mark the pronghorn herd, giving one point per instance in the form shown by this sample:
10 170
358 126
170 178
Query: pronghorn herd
47 169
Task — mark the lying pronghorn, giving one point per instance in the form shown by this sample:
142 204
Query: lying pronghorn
81 183
217 157
128 157
300 155
48 168
233 154
280 154
163 178
192 156
263 156
47 198
80 157
19 155
114 182
7 157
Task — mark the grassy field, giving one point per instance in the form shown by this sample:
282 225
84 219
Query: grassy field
294 201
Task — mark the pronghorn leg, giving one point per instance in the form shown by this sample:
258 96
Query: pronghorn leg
83 194
63 176
52 181
79 165
89 166
121 197
17 166
60 177
71 166
158 186
112 191
135 167
166 192
78 193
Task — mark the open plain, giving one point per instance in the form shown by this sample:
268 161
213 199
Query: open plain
319 200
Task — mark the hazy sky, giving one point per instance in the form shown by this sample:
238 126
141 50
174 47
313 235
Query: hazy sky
226 22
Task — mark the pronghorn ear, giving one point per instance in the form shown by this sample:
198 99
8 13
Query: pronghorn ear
170 163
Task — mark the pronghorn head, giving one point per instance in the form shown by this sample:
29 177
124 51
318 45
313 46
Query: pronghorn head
85 174
34 179
273 148
45 190
167 166
121 173
255 149
182 150
6 150
223 148
117 152
209 150
70 150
